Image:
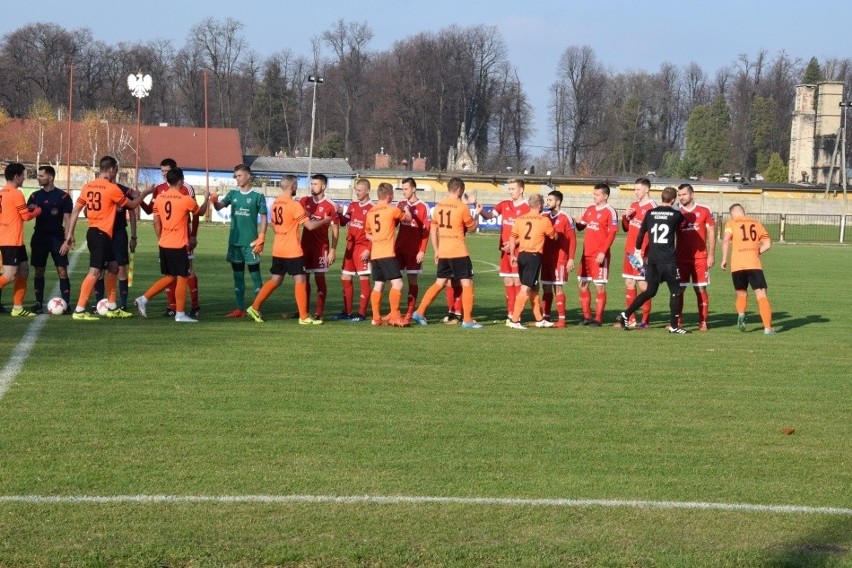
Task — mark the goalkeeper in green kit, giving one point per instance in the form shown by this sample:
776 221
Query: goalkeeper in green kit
247 236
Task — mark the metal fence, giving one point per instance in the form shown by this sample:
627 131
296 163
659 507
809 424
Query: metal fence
784 227
799 228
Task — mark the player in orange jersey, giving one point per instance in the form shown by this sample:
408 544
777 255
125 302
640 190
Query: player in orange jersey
600 222
631 221
356 255
99 198
173 211
451 219
192 283
747 239
13 213
528 235
287 254
382 221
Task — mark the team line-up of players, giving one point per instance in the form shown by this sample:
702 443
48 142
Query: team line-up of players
537 246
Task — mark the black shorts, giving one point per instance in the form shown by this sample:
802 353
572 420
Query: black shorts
44 246
662 273
755 277
459 268
385 269
13 256
529 267
120 249
100 248
174 262
284 266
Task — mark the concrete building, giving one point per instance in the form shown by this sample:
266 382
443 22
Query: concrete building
814 132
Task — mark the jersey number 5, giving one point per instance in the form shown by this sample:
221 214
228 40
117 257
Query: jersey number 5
376 222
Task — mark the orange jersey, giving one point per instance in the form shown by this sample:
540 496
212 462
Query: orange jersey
287 215
530 230
173 208
382 220
451 218
101 197
745 235
13 213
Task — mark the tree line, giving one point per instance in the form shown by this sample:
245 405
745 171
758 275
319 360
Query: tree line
412 98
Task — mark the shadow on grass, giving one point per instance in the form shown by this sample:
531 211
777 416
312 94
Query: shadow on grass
829 546
782 321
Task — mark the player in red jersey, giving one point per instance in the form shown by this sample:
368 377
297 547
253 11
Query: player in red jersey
192 282
631 222
356 257
557 261
509 210
315 244
601 224
412 239
696 249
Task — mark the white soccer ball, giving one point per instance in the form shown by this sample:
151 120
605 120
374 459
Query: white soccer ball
103 307
56 306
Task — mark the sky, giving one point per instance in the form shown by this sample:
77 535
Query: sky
625 34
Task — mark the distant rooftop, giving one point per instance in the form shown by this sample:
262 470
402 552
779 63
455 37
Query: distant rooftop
278 165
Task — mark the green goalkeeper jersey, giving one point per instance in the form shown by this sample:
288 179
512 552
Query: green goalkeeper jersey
245 207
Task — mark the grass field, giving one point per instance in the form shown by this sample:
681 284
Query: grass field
237 409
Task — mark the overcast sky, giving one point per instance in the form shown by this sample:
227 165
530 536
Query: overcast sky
625 34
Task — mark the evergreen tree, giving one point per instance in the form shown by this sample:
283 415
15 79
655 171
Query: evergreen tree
708 140
813 73
776 171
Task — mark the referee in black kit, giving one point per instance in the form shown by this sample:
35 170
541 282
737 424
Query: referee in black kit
660 224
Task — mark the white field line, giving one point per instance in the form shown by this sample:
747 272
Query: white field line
418 500
494 267
25 346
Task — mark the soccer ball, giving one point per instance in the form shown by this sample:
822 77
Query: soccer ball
56 306
103 307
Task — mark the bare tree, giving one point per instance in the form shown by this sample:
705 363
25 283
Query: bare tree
581 80
221 47
349 43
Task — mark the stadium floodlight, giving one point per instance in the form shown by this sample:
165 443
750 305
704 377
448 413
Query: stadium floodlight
315 79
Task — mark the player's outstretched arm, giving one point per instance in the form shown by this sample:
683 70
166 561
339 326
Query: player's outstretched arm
69 230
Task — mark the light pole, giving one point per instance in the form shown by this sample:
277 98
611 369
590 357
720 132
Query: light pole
140 86
844 105
315 79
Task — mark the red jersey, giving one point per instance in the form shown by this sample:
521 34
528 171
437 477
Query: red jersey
317 239
356 218
414 235
601 228
185 189
692 235
509 212
565 245
633 225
